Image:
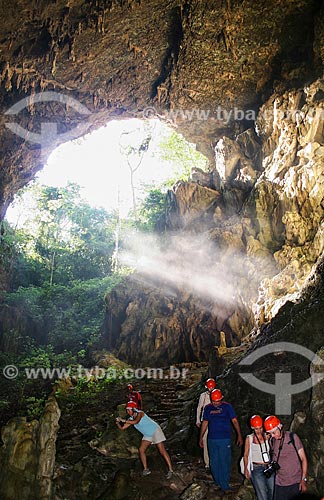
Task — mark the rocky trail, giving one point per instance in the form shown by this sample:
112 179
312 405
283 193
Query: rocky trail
98 462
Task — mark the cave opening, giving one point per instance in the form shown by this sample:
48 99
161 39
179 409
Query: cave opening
96 194
107 161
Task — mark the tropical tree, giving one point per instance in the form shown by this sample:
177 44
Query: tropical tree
182 154
67 237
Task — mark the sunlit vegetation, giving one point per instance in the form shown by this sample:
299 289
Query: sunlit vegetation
59 260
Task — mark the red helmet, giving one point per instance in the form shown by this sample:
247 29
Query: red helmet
210 384
256 421
216 395
129 387
271 423
131 405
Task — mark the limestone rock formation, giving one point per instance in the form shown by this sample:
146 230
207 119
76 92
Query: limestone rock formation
143 325
27 455
14 324
315 425
262 224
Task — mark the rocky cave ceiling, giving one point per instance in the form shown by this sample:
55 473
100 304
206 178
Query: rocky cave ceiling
121 57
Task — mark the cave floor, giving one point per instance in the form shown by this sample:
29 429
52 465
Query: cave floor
110 475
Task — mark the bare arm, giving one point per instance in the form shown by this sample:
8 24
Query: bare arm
303 459
246 457
128 423
203 429
236 425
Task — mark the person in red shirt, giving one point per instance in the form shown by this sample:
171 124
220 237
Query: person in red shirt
135 396
288 459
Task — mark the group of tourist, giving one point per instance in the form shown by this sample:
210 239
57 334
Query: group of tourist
274 459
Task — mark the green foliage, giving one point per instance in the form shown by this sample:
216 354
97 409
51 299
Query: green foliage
37 357
15 262
68 317
152 211
34 407
64 238
175 149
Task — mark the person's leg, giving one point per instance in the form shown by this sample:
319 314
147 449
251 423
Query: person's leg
142 452
260 483
206 454
165 455
270 482
224 462
286 492
213 452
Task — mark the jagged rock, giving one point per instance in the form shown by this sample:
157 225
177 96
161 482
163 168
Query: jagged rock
27 456
14 325
316 430
250 146
142 323
192 202
119 488
194 492
289 202
232 166
200 177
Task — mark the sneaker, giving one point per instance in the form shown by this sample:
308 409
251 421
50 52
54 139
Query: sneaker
169 474
207 467
146 472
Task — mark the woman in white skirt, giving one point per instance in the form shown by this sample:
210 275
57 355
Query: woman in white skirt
152 434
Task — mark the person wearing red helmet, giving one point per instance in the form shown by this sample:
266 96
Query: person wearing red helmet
288 460
152 434
204 400
133 395
256 458
218 417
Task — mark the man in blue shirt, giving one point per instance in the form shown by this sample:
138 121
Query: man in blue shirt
218 417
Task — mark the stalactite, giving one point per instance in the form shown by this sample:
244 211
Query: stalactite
32 95
53 69
9 77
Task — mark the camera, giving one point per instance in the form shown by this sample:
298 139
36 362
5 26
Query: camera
271 469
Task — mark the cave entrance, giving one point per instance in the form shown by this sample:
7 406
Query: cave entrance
123 169
119 163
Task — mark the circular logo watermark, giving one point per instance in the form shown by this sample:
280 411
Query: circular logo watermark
49 134
283 388
10 372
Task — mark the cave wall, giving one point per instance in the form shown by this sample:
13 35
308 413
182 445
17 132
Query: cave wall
120 57
159 326
257 214
27 455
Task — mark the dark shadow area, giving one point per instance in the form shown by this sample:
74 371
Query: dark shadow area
296 64
172 52
307 496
